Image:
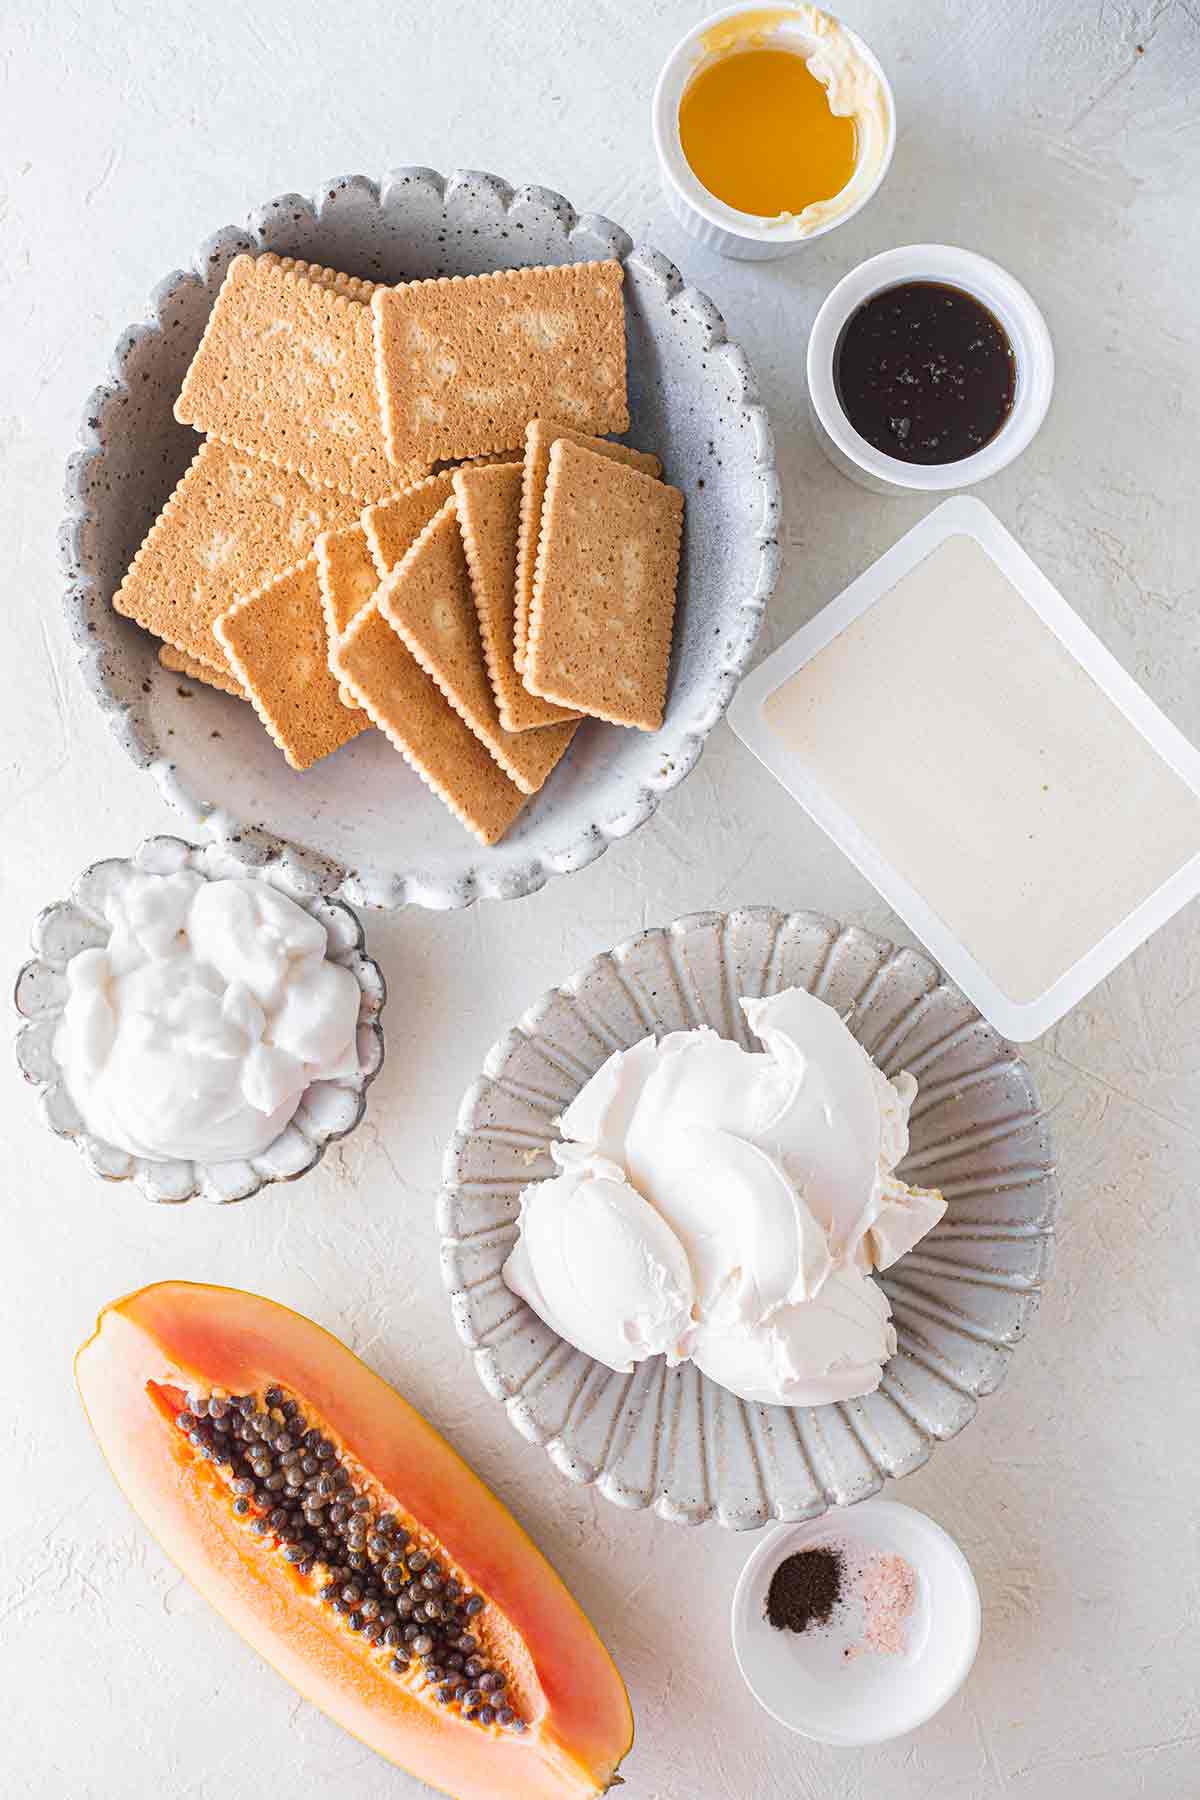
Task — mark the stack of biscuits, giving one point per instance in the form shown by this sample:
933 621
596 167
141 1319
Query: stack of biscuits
406 513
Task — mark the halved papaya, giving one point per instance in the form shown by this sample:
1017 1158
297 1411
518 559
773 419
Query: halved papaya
334 1528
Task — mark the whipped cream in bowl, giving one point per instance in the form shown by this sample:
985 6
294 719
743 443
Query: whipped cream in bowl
731 1206
793 1353
197 1025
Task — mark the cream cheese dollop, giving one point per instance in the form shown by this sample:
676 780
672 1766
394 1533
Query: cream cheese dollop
194 1031
757 1188
833 1347
600 1266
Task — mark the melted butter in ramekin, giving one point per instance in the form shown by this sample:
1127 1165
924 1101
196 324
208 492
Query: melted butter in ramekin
853 87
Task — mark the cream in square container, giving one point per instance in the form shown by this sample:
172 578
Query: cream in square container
1036 825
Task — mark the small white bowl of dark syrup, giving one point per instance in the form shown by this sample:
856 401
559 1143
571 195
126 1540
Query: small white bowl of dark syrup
929 368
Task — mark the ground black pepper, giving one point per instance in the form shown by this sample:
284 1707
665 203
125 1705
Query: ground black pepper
805 1588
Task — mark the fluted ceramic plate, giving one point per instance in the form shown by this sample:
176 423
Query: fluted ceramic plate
328 1110
671 1438
361 824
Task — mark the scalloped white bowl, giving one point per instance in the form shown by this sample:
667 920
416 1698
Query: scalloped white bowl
671 1438
361 824
328 1110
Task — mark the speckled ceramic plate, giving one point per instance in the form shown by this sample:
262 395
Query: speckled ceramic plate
328 1110
361 823
671 1438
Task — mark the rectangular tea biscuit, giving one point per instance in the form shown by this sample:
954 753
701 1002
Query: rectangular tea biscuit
447 465
604 589
465 360
180 663
489 516
348 576
275 641
285 370
358 289
539 435
395 692
393 525
353 285
427 598
231 522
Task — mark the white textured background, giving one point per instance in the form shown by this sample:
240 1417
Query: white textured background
1060 137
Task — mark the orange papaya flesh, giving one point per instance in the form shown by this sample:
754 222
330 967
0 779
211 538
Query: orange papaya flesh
152 1349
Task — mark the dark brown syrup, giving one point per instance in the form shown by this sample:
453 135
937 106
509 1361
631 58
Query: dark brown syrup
925 372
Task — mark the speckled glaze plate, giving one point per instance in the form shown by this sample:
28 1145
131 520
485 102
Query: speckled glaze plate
671 1438
361 824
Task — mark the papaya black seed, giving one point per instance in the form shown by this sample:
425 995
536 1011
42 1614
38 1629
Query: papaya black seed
286 1479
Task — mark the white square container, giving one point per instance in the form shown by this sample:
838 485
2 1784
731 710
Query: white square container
1106 867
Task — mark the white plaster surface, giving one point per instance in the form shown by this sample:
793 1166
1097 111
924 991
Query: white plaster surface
1063 139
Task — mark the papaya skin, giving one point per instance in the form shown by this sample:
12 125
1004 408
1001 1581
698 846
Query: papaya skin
182 1335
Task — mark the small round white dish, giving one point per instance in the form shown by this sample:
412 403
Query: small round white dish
328 1110
725 229
1003 296
819 1682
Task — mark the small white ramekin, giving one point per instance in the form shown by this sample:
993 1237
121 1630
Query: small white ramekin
1003 296
720 227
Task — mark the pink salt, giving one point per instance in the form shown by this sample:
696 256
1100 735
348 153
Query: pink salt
889 1590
